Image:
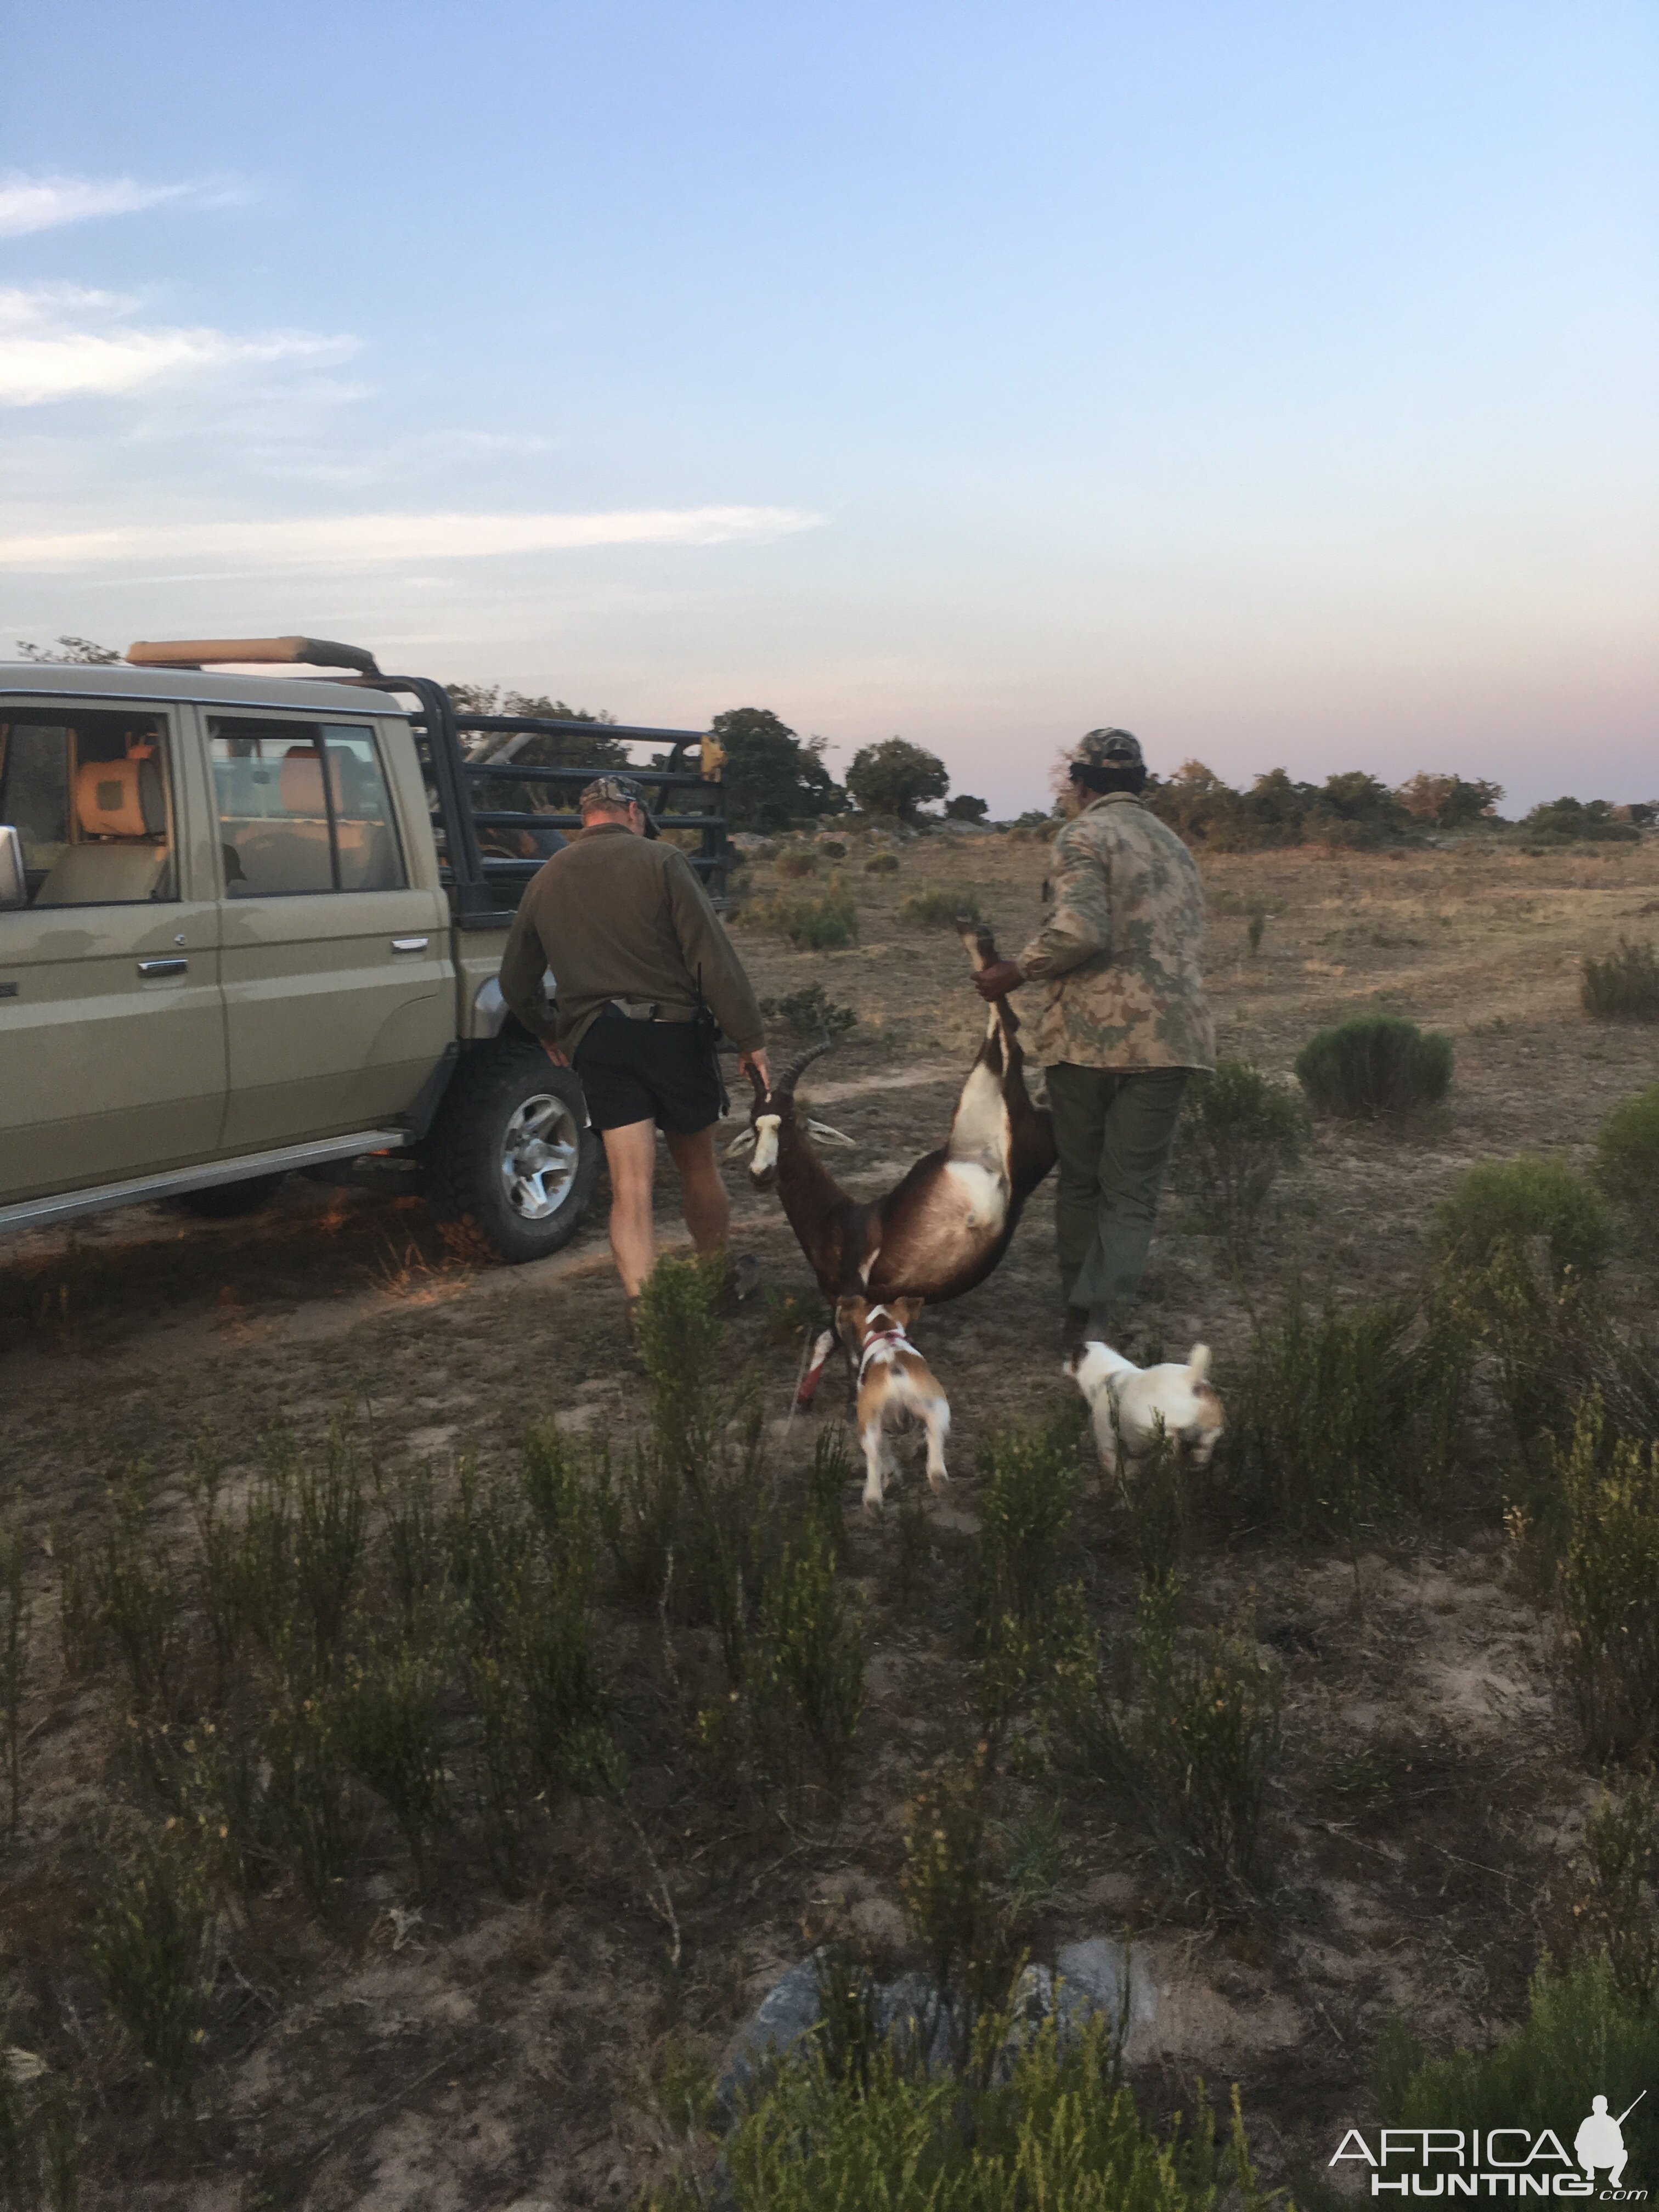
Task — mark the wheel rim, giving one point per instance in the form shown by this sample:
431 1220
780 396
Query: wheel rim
540 1151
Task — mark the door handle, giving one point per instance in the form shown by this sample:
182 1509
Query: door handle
162 967
409 944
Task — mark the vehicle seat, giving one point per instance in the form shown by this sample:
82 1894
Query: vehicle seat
121 811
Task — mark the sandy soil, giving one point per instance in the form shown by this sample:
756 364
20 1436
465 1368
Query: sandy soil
462 2050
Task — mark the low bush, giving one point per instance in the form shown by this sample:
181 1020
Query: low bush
1513 1201
153 1950
939 908
1348 1417
810 1013
794 865
1186 1753
1580 2039
1374 1065
882 864
1238 1129
952 1890
389 1733
1617 1916
1625 987
1036 2122
1029 1492
1609 1578
805 1661
820 925
1627 1160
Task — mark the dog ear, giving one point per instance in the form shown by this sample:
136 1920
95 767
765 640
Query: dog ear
852 1313
908 1311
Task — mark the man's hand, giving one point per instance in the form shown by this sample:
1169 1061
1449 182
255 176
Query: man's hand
755 1063
998 979
559 1059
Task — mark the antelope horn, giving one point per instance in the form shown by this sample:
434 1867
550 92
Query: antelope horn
740 1143
797 1066
822 1130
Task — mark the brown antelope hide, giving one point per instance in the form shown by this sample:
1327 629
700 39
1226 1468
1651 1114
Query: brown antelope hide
944 1227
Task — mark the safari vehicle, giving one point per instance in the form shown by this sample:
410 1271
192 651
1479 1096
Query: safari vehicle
251 925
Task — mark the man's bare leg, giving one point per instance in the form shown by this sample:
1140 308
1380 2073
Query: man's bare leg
703 1194
630 1153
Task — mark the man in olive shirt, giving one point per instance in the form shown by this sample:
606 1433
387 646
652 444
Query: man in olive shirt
1124 1022
635 949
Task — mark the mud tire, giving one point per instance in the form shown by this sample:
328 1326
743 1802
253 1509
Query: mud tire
504 1099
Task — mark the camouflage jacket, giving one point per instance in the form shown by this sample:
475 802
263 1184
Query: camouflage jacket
1121 948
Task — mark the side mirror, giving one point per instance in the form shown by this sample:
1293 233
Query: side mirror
14 885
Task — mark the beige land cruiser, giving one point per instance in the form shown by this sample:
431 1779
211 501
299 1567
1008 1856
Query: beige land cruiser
251 925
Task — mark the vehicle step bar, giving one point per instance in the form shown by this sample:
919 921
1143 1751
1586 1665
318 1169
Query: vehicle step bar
44 1213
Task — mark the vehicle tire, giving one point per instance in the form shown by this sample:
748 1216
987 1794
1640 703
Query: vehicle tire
511 1152
224 1201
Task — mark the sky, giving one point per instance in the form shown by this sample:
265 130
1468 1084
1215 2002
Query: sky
1276 381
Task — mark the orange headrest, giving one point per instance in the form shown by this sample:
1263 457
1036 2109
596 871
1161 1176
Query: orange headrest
301 781
120 799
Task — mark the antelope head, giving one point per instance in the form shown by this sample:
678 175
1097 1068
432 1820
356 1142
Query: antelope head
769 1114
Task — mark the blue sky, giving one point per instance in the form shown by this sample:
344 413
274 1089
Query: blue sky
1276 380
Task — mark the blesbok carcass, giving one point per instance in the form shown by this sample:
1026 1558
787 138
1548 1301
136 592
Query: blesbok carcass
944 1227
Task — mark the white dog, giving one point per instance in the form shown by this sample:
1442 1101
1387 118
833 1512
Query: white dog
1127 1403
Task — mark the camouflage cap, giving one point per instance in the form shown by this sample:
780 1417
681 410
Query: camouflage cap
1107 749
617 790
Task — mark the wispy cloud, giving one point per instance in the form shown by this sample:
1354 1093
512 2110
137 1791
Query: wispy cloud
61 341
375 540
29 204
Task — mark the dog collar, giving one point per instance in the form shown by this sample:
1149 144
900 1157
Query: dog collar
873 1342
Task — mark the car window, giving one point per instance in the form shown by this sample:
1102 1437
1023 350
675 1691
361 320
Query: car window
303 807
91 801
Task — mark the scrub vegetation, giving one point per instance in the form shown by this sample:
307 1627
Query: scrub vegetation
426 1736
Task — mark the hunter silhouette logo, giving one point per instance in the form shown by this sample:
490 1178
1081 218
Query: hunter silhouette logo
1500 2162
1601 2141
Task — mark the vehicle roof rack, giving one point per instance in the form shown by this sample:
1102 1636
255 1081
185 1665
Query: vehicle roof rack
266 652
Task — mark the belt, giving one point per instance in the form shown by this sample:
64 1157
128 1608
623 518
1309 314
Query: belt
648 1010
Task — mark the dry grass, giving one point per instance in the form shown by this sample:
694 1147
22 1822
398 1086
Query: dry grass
470 2015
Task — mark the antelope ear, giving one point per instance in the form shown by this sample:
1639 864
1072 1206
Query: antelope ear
740 1145
824 1133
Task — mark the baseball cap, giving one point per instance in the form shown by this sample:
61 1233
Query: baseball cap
617 790
1107 749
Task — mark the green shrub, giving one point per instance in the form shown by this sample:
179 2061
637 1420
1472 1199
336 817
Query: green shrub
389 1734
1610 1587
1625 987
939 908
804 1663
820 925
1036 2126
153 1950
137 1591
329 1533
795 864
952 1887
1029 1494
1621 1841
1187 1756
1580 2039
882 864
810 1013
1374 1065
307 1789
1515 1200
1349 1416
1627 1160
1238 1128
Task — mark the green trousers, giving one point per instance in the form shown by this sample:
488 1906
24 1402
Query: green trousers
1113 1129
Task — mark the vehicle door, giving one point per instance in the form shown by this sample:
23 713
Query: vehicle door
338 985
112 1027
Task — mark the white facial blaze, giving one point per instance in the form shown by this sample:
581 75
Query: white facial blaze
766 1143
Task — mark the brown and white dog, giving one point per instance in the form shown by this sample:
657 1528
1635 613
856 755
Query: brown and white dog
895 1383
1127 1403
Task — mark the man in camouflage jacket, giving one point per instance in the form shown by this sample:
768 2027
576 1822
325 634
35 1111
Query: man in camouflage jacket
1124 1022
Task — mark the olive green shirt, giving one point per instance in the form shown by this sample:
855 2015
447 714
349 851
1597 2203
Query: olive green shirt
1120 949
617 916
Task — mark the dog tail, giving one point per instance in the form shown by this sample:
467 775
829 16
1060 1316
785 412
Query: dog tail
1198 1362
